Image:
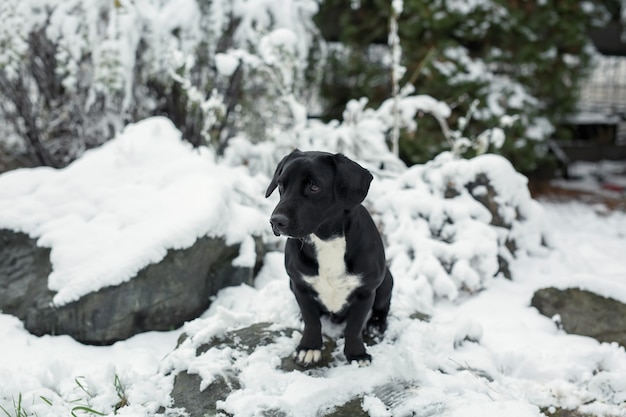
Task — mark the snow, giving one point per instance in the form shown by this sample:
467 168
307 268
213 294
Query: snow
484 351
226 64
603 178
588 117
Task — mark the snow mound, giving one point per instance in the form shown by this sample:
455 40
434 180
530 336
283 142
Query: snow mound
120 207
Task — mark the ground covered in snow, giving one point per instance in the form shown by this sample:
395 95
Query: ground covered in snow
489 354
518 361
603 181
484 351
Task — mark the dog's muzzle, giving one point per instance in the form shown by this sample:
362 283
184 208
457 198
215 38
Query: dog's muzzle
279 224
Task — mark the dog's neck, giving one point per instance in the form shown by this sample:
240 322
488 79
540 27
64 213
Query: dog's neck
334 227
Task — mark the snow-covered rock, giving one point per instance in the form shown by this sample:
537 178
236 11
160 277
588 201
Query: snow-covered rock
139 234
161 296
583 312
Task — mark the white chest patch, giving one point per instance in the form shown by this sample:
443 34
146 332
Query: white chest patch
333 284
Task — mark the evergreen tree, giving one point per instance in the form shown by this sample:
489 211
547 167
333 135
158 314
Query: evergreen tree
512 64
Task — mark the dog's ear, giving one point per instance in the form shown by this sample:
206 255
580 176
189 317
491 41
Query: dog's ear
279 170
352 181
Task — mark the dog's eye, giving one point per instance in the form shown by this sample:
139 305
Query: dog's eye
313 188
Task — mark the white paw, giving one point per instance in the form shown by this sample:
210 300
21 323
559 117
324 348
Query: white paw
361 360
364 362
308 357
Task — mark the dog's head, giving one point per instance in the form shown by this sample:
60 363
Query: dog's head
315 188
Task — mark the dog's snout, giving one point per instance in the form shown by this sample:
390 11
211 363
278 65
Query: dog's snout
279 223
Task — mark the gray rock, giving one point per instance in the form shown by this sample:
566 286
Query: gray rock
245 339
161 297
352 408
584 313
23 268
186 392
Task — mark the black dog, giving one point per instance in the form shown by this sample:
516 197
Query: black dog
334 255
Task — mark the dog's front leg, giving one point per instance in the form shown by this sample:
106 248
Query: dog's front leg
309 351
355 323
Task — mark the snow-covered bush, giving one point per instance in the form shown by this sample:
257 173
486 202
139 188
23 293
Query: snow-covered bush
362 135
73 73
66 75
453 224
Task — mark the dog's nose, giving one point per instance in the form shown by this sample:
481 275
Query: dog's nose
279 223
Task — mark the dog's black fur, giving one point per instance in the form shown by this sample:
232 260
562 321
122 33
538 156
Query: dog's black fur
320 201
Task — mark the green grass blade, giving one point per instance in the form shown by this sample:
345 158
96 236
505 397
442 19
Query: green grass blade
86 410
